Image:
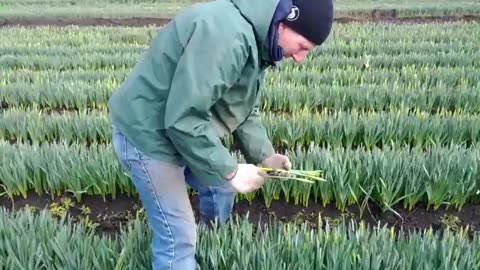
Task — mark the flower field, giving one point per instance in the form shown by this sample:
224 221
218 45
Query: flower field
390 113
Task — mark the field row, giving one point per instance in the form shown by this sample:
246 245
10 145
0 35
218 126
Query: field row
382 45
78 90
376 63
379 54
34 241
148 8
336 129
134 45
355 39
407 76
440 175
88 9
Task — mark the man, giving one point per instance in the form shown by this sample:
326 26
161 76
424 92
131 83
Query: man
197 82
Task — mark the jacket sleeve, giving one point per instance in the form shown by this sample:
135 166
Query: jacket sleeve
209 65
252 137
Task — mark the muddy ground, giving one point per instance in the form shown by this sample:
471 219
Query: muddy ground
387 16
108 217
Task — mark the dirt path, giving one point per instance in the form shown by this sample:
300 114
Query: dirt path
113 213
386 16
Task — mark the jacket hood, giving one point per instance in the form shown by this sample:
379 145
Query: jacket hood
259 14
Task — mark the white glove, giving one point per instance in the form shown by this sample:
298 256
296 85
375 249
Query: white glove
278 161
247 178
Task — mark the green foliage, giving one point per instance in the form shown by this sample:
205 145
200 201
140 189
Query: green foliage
386 175
40 241
388 113
287 131
168 8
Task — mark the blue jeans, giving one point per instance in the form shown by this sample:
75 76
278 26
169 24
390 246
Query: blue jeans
162 188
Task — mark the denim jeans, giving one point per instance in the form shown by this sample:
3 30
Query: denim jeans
162 189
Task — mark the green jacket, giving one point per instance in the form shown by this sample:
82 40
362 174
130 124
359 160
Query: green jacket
197 82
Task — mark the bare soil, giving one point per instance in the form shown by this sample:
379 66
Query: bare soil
111 214
387 16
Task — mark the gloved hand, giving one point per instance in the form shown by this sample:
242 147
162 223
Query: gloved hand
247 178
278 161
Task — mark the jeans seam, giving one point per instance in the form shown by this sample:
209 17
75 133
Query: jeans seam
127 163
149 182
215 210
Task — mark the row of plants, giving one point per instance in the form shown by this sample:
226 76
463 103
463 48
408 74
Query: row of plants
389 176
81 89
39 241
302 128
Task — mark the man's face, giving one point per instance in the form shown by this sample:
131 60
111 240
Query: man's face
294 45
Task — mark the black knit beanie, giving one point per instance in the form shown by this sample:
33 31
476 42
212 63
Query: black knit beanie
312 19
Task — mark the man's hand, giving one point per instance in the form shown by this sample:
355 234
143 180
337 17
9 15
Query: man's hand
247 178
278 161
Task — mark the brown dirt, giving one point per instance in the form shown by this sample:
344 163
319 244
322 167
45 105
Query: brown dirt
113 213
391 16
387 16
